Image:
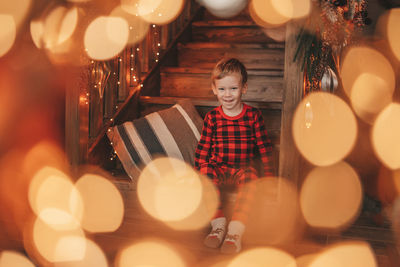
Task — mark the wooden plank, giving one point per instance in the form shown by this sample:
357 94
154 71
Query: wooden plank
243 34
219 45
110 94
207 102
290 159
224 23
77 116
252 57
165 36
96 110
121 69
260 87
195 70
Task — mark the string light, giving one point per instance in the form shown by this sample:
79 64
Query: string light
119 62
156 43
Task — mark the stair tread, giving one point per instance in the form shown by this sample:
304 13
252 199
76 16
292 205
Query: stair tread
194 70
205 101
217 45
224 23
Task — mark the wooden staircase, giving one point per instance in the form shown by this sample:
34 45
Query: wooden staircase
187 74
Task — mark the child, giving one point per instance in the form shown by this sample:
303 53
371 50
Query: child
233 134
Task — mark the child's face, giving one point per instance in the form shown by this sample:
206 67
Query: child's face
229 92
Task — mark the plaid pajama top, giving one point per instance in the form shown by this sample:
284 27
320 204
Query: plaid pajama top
234 141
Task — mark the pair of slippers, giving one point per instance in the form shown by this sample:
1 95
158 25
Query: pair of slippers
231 241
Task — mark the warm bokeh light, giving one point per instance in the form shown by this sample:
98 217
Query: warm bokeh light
68 25
368 80
37 31
224 8
149 253
60 32
8 33
138 28
264 13
18 9
94 256
105 37
393 22
275 217
42 154
51 188
385 136
56 245
160 12
277 33
169 189
346 254
12 258
263 256
204 212
55 29
131 6
292 8
59 25
104 206
331 196
305 260
324 128
58 219
283 7
369 96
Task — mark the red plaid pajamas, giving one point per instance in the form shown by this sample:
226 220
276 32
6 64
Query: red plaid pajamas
226 150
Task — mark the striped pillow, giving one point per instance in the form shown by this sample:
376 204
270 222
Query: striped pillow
172 132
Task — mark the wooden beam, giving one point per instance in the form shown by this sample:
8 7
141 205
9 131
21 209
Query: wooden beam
76 116
290 160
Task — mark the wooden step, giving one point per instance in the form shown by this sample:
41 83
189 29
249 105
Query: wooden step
253 56
263 85
243 15
238 31
204 101
271 113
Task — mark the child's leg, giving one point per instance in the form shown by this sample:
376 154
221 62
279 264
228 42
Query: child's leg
218 223
244 201
216 175
246 193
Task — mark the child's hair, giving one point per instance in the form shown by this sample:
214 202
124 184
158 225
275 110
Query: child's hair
227 66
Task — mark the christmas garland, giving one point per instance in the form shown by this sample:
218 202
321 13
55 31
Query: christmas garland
331 26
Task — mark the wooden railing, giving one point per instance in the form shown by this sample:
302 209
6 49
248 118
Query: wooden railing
106 88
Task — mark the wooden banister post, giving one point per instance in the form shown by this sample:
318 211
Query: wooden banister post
290 160
77 116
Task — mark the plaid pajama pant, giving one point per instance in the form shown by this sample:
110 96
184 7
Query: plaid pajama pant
237 177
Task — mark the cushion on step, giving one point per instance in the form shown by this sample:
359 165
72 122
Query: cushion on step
172 132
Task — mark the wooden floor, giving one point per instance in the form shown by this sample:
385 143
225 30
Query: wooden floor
137 225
